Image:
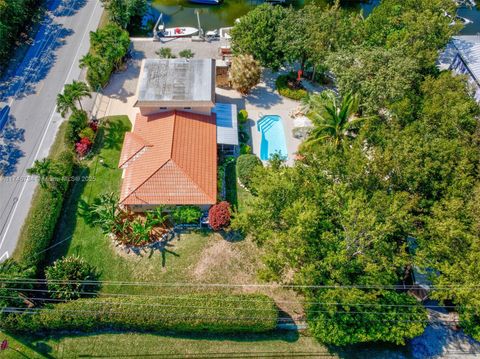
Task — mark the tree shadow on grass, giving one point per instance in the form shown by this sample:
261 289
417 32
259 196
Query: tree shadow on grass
115 131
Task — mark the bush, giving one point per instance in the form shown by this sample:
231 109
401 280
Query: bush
243 117
77 120
186 214
245 73
39 226
187 54
87 132
219 216
65 276
246 166
243 136
216 313
83 146
284 88
245 149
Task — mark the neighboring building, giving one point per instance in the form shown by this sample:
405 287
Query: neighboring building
462 56
170 157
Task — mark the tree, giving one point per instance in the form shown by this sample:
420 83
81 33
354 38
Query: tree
219 216
76 91
256 35
245 73
247 166
332 119
121 12
71 278
379 76
105 212
14 284
165 53
65 104
187 53
48 173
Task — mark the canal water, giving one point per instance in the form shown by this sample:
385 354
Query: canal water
183 13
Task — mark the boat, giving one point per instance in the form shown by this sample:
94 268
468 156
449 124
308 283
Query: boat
206 2
176 31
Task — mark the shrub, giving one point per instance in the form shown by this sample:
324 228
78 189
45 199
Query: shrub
83 146
216 313
243 136
65 276
245 149
165 53
243 117
246 167
187 53
284 87
219 216
186 214
77 120
93 125
87 132
245 73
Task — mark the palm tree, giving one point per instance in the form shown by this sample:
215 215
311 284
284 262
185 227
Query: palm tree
77 90
65 104
333 119
105 212
156 217
45 170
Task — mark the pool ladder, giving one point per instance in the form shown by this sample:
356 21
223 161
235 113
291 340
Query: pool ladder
264 124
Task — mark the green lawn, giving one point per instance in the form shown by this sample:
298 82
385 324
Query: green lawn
151 345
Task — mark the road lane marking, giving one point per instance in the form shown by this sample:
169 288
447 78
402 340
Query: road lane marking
12 215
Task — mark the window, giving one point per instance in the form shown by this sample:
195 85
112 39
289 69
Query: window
187 108
163 108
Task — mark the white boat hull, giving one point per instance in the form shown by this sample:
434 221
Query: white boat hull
178 32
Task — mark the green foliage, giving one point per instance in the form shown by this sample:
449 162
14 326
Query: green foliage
76 122
108 47
245 149
243 136
245 73
39 227
284 85
242 117
188 313
361 317
12 284
247 165
15 17
379 76
333 119
165 53
122 12
187 54
186 214
256 35
53 174
88 133
71 96
66 278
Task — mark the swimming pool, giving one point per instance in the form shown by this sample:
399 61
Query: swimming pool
273 137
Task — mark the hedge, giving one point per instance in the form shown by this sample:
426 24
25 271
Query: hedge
39 226
246 166
283 89
216 313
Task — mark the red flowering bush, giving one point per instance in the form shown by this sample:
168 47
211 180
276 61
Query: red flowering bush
93 125
83 146
219 216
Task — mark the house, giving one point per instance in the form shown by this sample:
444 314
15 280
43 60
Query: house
171 155
462 55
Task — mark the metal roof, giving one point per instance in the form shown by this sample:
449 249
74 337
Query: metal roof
227 127
170 82
468 47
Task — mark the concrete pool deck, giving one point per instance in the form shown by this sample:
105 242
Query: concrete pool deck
265 100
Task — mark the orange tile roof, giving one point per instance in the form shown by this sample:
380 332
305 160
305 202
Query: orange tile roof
170 158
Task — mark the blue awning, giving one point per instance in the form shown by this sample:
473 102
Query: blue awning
227 126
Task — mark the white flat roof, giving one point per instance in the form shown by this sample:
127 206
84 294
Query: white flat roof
468 47
170 82
227 123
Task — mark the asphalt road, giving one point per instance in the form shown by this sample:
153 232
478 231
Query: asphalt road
28 95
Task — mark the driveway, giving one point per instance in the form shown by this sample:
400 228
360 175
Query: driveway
29 93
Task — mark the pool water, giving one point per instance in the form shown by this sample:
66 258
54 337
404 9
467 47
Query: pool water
273 137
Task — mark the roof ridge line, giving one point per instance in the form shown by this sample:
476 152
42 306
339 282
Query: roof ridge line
150 176
191 179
